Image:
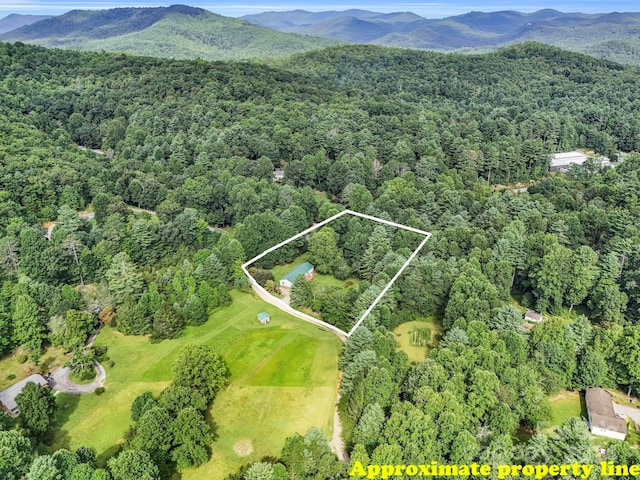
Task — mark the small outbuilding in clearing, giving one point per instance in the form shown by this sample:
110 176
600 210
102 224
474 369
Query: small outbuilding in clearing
533 317
305 269
264 317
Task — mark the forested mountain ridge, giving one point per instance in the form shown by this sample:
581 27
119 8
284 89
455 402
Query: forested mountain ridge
415 137
611 36
172 32
13 21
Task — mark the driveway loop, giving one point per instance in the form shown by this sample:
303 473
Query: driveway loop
59 380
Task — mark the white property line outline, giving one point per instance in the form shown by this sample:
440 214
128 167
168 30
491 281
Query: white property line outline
335 329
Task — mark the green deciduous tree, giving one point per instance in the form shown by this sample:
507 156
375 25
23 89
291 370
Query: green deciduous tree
591 370
44 468
131 464
176 398
584 271
192 438
37 407
198 367
72 331
28 328
324 252
15 455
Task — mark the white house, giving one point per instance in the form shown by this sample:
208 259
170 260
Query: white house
8 396
602 417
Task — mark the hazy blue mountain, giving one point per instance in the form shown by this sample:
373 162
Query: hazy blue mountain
13 21
613 35
177 31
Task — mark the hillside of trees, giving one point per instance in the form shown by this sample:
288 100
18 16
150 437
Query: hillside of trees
177 31
419 138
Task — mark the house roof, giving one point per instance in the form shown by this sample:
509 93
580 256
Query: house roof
263 315
601 412
8 396
299 270
533 315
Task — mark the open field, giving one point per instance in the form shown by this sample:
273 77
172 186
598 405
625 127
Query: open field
565 405
10 365
284 379
416 338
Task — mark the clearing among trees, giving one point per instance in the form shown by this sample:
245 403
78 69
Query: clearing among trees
374 254
256 406
416 338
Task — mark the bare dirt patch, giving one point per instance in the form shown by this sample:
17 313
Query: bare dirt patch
243 447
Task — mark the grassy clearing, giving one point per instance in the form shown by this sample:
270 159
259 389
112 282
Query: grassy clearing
622 398
565 405
416 338
280 271
320 197
331 281
12 371
284 379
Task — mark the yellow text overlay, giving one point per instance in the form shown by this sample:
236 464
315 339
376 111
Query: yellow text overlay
538 472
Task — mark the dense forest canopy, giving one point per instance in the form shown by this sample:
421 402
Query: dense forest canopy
415 137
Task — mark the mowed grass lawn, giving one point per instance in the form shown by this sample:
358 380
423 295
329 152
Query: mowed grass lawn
280 271
284 379
565 405
12 371
404 332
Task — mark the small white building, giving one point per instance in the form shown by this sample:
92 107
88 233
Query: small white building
560 161
602 417
8 396
533 317
278 175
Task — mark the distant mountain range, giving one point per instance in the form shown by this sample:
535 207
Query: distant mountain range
13 21
615 36
186 32
172 32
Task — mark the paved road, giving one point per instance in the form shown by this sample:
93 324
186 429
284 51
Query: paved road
632 412
59 380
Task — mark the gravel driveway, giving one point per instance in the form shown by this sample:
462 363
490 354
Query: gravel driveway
59 380
632 412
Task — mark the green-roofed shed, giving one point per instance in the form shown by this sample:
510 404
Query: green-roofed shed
305 269
264 317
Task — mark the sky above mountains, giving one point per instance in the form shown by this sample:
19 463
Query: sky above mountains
436 9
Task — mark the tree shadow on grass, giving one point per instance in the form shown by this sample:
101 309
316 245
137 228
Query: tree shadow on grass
212 425
66 404
107 453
